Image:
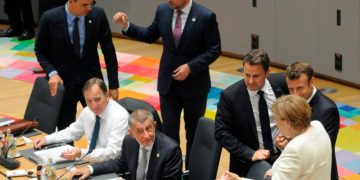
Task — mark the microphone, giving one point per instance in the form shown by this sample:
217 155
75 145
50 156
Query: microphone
10 163
76 163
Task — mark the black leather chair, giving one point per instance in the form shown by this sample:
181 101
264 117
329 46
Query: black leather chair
205 152
132 104
43 107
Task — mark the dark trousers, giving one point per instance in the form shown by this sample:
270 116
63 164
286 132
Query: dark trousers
171 106
73 94
20 14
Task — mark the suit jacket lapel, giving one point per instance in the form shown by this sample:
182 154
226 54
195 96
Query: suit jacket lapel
88 31
168 22
155 153
277 90
63 26
248 109
315 100
189 24
135 152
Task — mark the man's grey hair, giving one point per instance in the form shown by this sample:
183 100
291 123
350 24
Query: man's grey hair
140 116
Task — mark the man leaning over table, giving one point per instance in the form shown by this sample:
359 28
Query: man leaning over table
146 154
112 123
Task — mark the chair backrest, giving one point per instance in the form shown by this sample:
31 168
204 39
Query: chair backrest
132 104
205 152
43 107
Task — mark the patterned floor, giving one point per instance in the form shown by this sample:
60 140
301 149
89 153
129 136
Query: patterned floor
137 76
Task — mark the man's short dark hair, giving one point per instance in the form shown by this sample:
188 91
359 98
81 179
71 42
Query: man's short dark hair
94 81
258 56
294 71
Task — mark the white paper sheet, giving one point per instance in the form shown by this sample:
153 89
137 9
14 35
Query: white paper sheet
53 153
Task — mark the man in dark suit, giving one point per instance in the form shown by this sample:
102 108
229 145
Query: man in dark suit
191 42
300 81
239 126
160 160
68 52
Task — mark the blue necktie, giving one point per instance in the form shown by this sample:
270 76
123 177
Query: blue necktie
95 134
265 122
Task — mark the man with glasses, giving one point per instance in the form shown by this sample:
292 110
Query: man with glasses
109 133
67 49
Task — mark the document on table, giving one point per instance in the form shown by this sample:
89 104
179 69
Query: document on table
53 153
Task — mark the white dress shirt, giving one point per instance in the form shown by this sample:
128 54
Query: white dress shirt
312 95
113 128
270 98
183 16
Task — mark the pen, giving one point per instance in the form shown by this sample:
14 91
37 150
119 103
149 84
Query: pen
52 146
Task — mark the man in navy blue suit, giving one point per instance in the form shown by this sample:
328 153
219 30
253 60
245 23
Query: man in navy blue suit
300 81
68 52
239 125
191 42
145 153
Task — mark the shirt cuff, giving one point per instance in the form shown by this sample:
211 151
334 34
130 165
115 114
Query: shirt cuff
125 30
49 140
52 73
91 169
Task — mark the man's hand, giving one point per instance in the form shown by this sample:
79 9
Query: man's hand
38 142
226 175
261 155
121 19
71 154
114 94
268 174
54 82
281 141
83 171
182 72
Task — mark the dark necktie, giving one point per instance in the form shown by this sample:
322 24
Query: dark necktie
265 122
95 134
76 37
140 171
177 28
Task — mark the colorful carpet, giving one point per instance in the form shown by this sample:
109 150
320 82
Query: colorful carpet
138 79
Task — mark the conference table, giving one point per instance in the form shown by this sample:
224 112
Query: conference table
27 165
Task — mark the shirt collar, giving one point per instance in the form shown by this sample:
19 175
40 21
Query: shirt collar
105 113
312 95
187 8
